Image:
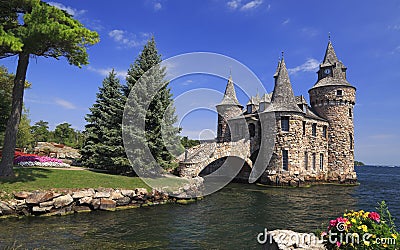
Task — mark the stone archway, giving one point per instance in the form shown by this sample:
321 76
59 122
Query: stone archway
242 176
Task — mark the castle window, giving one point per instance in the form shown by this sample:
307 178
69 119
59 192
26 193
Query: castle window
351 141
304 127
262 106
305 160
321 161
249 109
285 159
313 161
252 130
219 129
350 113
339 92
324 131
314 129
285 123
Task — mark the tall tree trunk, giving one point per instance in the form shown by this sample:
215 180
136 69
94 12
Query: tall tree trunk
10 139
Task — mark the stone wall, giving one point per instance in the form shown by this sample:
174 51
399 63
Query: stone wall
298 143
46 203
240 149
338 110
226 112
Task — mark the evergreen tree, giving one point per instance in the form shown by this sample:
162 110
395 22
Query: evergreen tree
103 147
33 28
160 135
40 131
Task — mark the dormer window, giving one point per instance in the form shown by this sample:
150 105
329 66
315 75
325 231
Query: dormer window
249 109
339 92
262 106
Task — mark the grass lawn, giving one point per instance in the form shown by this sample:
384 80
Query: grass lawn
29 179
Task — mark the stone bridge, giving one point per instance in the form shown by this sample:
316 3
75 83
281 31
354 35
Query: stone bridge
212 154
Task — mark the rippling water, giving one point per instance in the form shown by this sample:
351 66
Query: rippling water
228 219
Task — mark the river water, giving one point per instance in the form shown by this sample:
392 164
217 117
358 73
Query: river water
228 219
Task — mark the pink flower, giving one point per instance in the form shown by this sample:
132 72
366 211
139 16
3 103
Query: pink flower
374 216
324 234
342 220
338 243
333 223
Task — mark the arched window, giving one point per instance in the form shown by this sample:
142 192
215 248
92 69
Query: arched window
252 130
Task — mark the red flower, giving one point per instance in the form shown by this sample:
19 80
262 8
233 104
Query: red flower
374 216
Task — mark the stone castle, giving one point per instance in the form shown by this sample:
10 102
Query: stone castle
312 143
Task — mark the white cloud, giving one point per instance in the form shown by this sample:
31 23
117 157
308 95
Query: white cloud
129 39
251 5
106 71
233 4
63 103
286 21
68 9
310 64
238 4
157 6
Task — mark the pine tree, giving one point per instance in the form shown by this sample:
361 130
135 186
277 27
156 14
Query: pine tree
160 135
103 147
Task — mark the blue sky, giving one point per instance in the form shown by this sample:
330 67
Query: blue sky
365 34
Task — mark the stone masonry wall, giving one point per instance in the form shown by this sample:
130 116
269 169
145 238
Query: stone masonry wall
297 145
338 110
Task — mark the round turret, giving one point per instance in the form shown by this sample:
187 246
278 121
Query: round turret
333 98
227 109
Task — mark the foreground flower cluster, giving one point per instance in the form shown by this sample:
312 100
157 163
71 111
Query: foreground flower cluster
362 230
39 161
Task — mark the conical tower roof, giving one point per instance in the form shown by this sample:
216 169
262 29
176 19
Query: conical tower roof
283 98
330 57
331 72
230 95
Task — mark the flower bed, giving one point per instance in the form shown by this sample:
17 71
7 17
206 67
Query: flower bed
362 230
39 161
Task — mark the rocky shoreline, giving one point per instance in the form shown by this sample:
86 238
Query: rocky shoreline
69 201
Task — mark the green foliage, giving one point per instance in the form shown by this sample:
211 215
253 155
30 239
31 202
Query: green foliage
160 134
6 87
24 135
189 143
103 147
358 163
64 134
45 31
40 131
34 28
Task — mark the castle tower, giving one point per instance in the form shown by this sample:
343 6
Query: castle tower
227 109
333 98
